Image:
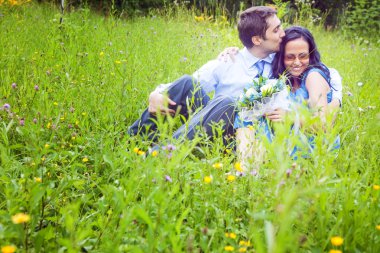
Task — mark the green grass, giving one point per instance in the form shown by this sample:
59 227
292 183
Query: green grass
94 75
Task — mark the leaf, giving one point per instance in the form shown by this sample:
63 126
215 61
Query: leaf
108 160
36 195
180 220
269 235
141 213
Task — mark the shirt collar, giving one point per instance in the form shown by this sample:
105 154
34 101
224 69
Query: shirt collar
251 59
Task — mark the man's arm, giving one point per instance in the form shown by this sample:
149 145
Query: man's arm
204 75
159 101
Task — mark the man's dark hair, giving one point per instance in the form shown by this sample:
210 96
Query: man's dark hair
253 22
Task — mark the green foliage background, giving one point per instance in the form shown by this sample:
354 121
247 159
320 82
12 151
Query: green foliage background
358 17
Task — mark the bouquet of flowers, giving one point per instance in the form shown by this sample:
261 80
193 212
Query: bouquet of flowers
262 96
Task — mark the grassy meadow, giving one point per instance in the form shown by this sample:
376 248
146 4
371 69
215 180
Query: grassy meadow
72 180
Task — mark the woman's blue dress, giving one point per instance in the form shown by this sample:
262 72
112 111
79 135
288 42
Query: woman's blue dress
300 96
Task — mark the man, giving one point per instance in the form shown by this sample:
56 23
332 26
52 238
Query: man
261 33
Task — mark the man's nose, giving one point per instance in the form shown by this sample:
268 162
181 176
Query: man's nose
282 34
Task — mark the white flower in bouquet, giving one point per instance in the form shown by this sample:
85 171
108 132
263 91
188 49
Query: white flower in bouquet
251 92
267 89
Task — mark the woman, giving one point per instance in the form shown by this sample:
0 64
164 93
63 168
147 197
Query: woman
309 80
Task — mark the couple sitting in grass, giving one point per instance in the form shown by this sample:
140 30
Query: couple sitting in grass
269 52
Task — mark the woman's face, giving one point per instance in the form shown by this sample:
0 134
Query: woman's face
296 58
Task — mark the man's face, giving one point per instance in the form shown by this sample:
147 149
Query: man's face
273 35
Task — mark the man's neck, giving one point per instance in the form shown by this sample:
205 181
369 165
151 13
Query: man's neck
258 52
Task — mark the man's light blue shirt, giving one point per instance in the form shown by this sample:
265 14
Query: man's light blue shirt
231 77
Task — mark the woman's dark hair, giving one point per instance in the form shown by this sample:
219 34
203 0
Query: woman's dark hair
293 33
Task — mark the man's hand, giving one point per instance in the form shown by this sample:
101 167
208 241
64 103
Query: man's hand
158 103
278 115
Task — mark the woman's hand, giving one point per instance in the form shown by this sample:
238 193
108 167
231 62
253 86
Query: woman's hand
278 115
228 53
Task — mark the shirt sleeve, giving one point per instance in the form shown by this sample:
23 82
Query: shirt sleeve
205 76
163 87
336 84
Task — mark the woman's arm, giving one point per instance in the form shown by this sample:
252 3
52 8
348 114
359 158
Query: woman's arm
317 88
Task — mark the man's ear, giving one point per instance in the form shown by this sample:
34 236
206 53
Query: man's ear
256 40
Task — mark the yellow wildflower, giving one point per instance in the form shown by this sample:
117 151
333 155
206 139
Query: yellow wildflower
13 2
376 187
55 103
118 62
336 240
245 243
250 127
43 158
8 249
238 167
85 159
20 218
229 248
84 114
47 145
243 250
136 150
154 153
228 151
230 235
207 179
101 54
140 152
231 178
48 125
378 227
272 6
335 251
38 179
199 18
217 165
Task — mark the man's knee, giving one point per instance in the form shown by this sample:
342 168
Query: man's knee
225 100
224 104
